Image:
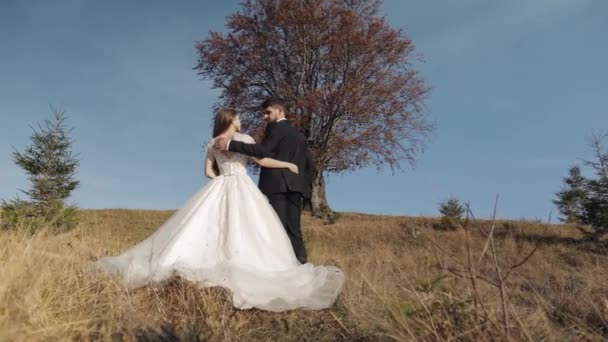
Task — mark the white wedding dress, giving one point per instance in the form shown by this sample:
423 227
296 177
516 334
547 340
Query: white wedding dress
228 235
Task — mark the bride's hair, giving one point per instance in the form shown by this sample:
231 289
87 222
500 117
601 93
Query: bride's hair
223 120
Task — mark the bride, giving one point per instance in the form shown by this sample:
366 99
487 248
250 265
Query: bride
227 234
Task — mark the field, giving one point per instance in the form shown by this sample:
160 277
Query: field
406 280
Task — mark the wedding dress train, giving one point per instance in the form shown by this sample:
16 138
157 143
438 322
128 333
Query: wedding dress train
228 235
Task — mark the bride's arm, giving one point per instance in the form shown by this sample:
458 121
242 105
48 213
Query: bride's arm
209 161
276 164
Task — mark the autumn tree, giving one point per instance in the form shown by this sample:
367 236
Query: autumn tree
347 77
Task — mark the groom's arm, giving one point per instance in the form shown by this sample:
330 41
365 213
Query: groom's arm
264 150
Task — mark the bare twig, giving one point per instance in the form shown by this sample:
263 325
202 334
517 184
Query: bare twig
470 270
490 235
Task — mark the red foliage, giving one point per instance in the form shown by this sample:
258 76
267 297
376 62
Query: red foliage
346 75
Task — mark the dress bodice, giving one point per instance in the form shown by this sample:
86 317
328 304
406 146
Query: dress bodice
232 163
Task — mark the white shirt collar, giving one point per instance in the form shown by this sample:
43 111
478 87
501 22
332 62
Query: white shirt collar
282 119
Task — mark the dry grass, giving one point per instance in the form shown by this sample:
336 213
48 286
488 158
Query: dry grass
399 286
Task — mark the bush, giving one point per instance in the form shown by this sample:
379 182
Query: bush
27 216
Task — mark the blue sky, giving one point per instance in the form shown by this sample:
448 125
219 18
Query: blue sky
517 86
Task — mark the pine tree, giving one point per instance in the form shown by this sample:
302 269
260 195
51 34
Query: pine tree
597 204
571 200
451 212
51 168
451 208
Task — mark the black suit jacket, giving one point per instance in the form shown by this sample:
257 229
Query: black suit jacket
285 143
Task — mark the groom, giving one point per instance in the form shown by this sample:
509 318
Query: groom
283 188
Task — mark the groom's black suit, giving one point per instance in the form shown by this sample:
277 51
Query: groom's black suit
284 188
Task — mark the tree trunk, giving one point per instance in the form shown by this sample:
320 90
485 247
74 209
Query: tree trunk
318 201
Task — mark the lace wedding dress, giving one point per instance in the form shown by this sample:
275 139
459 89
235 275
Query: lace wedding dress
228 235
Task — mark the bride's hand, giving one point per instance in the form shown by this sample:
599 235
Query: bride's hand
293 168
220 142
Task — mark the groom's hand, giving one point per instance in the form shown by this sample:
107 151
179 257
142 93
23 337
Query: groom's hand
220 143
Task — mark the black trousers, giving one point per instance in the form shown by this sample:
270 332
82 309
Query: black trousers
288 206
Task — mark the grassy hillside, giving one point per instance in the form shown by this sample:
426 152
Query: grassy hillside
406 280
